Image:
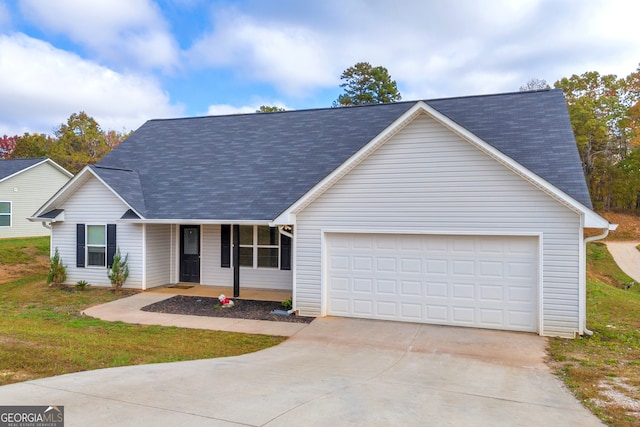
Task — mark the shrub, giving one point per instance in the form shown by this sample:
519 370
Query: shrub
119 271
57 271
81 285
287 304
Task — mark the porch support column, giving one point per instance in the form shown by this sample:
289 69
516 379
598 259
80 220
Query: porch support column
236 260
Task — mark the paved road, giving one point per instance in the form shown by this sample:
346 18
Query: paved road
334 372
627 257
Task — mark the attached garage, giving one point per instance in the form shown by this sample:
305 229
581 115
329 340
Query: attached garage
473 281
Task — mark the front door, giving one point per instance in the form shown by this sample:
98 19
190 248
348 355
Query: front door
190 253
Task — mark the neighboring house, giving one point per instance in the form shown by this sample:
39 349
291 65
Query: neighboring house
25 185
464 211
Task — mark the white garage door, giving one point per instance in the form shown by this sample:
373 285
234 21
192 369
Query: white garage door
477 281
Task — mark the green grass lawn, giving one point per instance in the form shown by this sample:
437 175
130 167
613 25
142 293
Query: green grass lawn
43 334
606 365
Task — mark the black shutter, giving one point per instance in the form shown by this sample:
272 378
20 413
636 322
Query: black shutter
285 252
79 245
225 246
111 244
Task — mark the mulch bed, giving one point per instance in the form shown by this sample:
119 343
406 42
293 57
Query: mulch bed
243 309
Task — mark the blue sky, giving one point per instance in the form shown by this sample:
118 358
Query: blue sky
128 61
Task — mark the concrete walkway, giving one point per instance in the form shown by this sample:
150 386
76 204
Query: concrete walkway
627 257
128 310
332 372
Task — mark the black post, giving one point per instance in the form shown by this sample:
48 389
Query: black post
236 261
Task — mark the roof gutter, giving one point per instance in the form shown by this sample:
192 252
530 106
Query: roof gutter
583 300
197 221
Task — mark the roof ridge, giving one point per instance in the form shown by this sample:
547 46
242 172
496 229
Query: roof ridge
413 101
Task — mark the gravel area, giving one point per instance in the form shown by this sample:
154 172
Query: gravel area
205 306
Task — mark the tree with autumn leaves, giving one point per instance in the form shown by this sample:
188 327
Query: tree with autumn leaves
605 116
77 143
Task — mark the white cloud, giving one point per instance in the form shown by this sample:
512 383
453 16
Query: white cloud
291 57
42 86
121 32
226 109
431 49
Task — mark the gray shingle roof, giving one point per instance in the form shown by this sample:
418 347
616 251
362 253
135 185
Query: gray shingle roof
254 166
12 166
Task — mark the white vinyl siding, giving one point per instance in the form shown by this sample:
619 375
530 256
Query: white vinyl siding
212 273
258 278
27 192
93 203
158 258
426 179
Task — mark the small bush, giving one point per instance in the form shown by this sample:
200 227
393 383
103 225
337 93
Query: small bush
287 304
119 271
57 271
81 285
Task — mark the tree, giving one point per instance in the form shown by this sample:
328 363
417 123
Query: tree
78 142
32 145
269 109
81 142
535 84
119 270
365 84
601 111
7 145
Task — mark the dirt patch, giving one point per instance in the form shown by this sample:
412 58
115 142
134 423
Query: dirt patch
628 226
10 272
242 309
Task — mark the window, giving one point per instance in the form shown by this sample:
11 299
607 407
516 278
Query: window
96 246
5 214
259 246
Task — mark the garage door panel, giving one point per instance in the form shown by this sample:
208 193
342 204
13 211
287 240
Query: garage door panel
463 315
363 263
437 266
491 269
477 281
340 306
437 313
339 262
464 291
387 287
337 284
491 293
491 318
411 288
363 307
435 289
363 285
411 311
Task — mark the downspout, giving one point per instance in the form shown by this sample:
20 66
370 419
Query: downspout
584 300
45 225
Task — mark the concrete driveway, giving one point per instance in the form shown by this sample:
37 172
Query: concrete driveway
627 256
334 372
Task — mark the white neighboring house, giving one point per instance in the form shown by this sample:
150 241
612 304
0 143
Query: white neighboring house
25 184
463 211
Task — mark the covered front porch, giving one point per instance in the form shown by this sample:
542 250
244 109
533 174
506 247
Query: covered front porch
239 261
194 289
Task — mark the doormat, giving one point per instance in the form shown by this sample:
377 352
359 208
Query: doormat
181 286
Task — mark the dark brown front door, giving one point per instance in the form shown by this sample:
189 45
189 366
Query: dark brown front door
190 253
